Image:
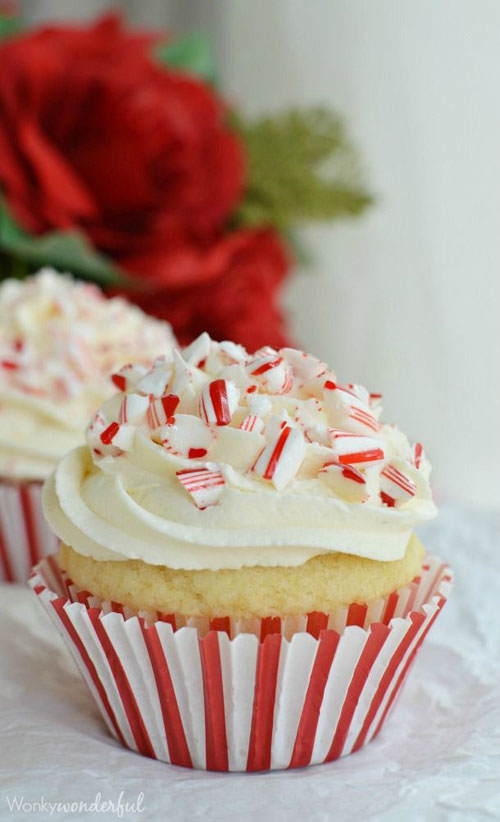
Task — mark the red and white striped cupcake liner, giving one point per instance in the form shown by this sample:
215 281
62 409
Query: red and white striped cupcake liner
244 695
25 537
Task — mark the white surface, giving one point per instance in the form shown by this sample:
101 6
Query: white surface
437 759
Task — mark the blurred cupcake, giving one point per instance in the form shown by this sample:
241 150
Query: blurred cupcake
59 341
263 508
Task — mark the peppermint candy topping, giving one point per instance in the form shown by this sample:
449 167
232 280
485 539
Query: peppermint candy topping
418 454
133 408
348 409
205 485
347 482
196 353
282 457
127 377
271 370
252 423
109 438
352 449
155 382
396 486
271 416
219 401
305 367
186 436
160 410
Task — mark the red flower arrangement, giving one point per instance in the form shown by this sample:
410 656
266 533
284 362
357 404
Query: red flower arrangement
118 163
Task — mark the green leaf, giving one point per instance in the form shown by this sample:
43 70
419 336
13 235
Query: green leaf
64 250
301 167
192 54
9 25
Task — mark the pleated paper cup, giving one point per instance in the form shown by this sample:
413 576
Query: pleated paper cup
25 537
244 695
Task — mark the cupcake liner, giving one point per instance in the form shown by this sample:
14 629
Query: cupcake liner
244 695
25 537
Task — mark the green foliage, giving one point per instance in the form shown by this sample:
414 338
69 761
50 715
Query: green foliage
192 54
9 25
64 250
301 167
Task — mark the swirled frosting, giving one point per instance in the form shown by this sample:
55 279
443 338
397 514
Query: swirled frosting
220 459
59 340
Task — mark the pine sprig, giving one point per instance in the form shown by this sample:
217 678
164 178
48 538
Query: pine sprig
301 167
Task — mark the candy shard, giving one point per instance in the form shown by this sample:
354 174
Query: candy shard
259 404
205 484
396 485
197 352
353 449
304 366
418 454
218 402
133 408
155 382
346 410
187 436
271 370
233 352
282 457
346 482
127 377
252 423
182 376
311 420
161 409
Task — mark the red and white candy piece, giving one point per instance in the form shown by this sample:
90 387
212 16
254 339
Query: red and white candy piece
305 367
205 485
127 377
186 436
282 457
259 404
345 481
182 376
155 382
271 370
359 392
347 410
418 455
376 404
197 352
161 409
353 449
396 486
310 418
233 352
133 408
218 402
109 438
252 423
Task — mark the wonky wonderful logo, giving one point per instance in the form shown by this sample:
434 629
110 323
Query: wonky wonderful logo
119 807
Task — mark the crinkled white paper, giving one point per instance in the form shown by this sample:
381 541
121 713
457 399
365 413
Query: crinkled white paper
438 757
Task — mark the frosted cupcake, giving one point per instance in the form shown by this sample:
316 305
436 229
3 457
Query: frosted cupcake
255 501
59 342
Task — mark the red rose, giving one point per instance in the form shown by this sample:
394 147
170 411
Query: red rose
95 135
236 293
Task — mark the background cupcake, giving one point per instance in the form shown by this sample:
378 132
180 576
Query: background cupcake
255 500
59 342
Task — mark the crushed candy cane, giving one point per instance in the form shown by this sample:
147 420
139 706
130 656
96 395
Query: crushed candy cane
275 419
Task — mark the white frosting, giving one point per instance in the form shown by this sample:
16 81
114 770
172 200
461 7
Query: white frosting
59 341
204 489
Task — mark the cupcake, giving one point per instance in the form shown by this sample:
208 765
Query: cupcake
238 578
59 341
